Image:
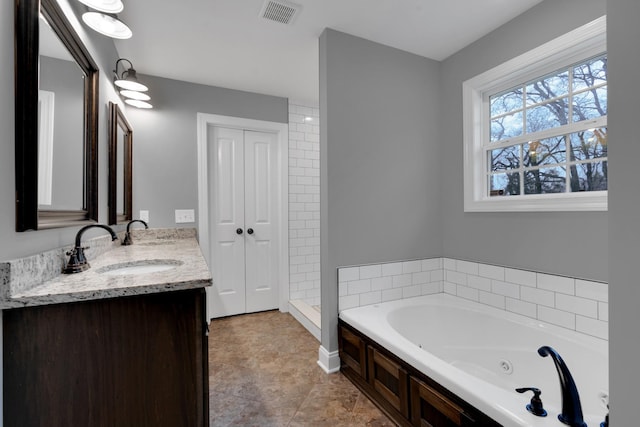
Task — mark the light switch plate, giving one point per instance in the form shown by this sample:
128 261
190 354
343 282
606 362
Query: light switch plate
144 215
185 215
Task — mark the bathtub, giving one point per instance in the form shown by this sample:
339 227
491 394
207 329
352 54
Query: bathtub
482 354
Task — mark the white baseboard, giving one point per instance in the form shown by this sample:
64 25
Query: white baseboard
328 361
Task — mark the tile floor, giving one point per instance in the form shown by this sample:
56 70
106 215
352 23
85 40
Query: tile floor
263 372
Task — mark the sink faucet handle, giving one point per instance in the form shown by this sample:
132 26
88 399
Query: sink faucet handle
535 407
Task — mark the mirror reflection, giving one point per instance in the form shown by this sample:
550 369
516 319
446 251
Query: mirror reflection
60 125
120 140
120 166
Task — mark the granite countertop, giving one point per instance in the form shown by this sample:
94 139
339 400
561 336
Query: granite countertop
190 272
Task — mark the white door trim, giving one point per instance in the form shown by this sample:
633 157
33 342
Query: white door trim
282 130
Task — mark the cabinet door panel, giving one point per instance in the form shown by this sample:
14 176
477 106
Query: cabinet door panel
135 361
390 380
431 408
352 351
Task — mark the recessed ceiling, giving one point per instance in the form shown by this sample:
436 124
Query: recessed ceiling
228 43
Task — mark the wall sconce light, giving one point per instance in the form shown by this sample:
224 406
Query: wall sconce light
132 89
105 21
106 6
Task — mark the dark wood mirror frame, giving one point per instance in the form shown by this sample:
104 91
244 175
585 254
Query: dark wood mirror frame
27 31
117 120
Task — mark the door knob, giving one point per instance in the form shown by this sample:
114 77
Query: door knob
238 230
250 230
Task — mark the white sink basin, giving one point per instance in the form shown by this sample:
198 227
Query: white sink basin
139 267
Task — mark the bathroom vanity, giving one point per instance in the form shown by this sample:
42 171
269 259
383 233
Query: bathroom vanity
121 344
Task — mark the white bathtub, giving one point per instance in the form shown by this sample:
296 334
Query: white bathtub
482 354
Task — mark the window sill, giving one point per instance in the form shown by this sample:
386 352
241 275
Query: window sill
596 201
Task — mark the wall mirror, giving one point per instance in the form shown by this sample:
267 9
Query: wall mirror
56 120
120 166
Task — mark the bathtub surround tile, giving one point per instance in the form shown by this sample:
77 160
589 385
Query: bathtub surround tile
467 293
359 287
431 288
432 264
521 307
349 301
369 298
380 283
480 283
520 277
467 267
455 277
558 284
450 288
557 317
436 275
392 294
411 291
491 299
491 272
402 280
538 296
411 266
592 290
594 327
348 274
554 299
420 278
392 269
603 311
577 305
505 289
370 271
449 264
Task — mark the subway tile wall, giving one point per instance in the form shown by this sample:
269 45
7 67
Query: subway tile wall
304 203
371 284
575 304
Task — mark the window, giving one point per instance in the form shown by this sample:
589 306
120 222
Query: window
536 128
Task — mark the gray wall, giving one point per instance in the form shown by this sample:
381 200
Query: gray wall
565 243
624 205
165 175
380 155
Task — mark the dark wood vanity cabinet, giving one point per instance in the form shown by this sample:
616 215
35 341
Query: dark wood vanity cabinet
128 362
403 393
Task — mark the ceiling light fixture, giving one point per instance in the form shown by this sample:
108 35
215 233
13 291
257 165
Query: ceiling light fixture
107 24
127 80
106 6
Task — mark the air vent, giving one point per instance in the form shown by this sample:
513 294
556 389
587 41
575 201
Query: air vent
280 11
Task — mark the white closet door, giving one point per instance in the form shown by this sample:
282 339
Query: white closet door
226 161
260 212
244 235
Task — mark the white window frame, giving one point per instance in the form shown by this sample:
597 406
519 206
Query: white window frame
580 44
